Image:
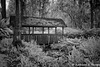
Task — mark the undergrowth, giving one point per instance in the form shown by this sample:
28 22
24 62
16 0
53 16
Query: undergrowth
64 54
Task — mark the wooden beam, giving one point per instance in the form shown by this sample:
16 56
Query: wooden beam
29 30
56 33
55 30
41 26
42 30
48 36
62 32
33 30
48 31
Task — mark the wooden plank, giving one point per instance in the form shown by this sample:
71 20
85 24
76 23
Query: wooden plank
55 30
48 31
42 30
29 30
55 33
48 36
36 38
40 26
52 19
62 31
39 34
48 19
43 34
33 30
48 39
29 35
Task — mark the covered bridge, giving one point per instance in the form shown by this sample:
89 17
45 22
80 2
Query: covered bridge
42 30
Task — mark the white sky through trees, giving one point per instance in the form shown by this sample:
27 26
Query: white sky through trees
7 4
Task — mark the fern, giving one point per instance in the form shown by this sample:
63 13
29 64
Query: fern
4 30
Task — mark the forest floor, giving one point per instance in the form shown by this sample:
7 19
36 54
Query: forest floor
69 52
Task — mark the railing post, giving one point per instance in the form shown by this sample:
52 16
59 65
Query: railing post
62 32
43 30
29 38
55 30
29 30
48 36
56 33
33 30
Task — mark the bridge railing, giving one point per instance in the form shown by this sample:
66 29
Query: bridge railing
42 34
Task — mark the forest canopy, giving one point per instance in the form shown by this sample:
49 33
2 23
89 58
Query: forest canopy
75 13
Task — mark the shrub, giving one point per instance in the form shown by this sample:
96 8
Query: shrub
70 51
92 48
86 52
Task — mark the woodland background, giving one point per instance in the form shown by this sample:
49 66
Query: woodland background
81 45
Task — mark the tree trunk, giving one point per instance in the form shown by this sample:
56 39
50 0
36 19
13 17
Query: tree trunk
3 4
17 28
91 3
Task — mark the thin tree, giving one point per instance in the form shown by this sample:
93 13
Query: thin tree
3 12
17 26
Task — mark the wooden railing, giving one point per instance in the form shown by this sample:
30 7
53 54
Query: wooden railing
41 38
